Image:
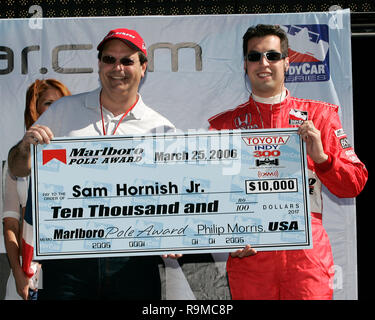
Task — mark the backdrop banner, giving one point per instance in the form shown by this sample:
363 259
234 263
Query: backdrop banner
195 71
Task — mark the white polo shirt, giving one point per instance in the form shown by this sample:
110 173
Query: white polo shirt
79 115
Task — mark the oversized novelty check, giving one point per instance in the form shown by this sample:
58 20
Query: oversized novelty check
194 192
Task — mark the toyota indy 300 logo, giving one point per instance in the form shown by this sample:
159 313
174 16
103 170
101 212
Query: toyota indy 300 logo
266 148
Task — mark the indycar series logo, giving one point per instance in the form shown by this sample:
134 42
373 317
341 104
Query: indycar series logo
308 53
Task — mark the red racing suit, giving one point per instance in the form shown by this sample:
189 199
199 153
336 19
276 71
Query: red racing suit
296 274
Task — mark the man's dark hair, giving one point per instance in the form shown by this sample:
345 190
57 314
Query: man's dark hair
262 30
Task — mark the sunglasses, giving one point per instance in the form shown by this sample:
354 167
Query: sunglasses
254 56
112 60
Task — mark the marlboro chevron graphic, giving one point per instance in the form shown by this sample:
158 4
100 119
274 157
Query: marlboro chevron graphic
58 154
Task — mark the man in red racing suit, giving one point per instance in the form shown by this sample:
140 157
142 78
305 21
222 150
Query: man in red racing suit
295 274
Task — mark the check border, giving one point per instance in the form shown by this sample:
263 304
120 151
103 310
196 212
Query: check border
147 251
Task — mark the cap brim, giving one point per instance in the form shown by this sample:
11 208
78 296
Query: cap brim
127 42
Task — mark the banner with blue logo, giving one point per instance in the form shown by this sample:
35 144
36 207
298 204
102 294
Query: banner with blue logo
308 53
195 70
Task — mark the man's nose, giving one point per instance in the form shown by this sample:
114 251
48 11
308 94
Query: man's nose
118 65
263 60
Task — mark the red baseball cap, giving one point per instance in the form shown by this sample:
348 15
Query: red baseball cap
129 37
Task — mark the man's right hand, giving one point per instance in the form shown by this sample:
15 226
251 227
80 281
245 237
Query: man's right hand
37 134
19 162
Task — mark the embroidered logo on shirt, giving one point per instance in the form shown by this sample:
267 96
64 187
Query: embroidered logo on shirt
340 133
345 144
244 122
297 117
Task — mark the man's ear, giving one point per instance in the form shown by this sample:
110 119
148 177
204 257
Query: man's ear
144 68
286 64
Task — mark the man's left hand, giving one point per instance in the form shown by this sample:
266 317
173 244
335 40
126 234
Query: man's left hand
314 146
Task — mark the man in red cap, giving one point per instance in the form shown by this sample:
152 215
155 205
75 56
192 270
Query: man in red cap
115 108
123 49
